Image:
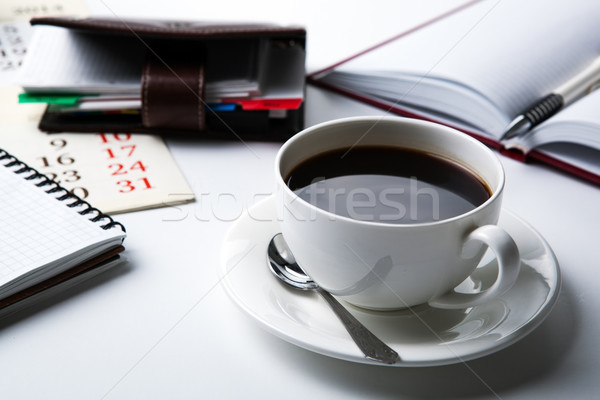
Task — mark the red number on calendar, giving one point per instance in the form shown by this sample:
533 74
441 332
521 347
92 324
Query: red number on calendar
138 166
110 153
118 137
125 150
126 186
117 150
121 169
147 184
129 186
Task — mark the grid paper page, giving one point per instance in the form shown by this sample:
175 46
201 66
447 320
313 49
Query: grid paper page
36 229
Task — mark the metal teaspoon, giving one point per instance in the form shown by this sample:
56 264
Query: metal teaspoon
283 265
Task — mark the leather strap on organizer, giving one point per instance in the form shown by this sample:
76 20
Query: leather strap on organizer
173 91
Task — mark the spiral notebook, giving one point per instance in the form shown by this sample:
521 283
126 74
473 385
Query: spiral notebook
50 239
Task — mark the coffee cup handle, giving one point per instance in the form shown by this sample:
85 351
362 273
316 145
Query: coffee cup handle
509 264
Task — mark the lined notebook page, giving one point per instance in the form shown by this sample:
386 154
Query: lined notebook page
580 120
72 61
36 229
510 51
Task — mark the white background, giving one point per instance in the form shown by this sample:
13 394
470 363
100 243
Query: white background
163 327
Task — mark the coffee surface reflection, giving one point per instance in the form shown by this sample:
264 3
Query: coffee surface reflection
387 184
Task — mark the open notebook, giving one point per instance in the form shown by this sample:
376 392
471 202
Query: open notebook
477 67
49 238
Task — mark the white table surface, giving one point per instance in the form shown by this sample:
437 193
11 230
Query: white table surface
162 327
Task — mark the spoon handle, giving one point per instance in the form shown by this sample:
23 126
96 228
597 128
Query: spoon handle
372 347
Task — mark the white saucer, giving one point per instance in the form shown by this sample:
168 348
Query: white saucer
422 336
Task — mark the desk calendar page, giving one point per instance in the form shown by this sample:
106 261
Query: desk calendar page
116 172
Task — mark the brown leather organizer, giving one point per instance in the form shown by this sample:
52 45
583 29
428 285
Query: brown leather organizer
173 79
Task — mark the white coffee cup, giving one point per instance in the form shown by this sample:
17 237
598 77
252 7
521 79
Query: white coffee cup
384 266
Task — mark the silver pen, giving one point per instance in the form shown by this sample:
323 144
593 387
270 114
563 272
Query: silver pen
575 88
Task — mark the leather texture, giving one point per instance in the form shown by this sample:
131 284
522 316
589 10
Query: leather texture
171 29
173 91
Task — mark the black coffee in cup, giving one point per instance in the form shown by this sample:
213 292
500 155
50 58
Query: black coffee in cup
387 184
